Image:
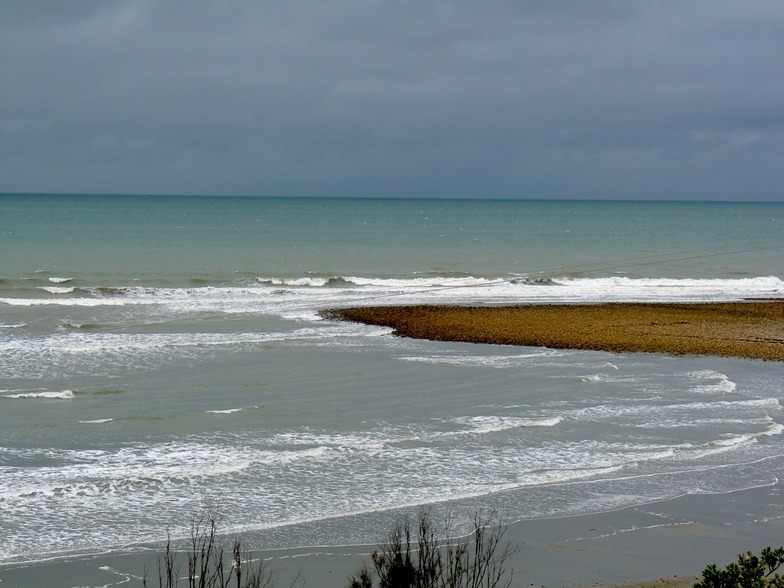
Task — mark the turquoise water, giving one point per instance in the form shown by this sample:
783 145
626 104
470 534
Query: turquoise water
118 239
159 351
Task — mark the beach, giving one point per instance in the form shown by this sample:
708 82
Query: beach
664 543
753 330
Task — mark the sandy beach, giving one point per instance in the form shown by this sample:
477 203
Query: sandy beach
753 329
665 543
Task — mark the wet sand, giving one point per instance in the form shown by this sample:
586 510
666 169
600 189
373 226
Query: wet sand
665 543
753 329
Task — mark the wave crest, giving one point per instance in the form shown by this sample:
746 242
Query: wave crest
64 395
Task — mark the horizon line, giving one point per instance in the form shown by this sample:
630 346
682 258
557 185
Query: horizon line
572 199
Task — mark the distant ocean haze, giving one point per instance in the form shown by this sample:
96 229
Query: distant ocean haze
159 351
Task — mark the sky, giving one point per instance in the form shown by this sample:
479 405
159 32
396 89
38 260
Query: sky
616 99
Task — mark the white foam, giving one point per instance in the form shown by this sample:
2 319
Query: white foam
287 457
593 378
311 293
431 282
666 288
324 440
681 414
60 280
315 282
762 403
57 289
96 421
82 344
718 383
493 361
559 476
385 283
64 395
316 474
482 425
66 302
733 442
774 429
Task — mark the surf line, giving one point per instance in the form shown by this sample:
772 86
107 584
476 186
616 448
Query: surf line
652 260
623 263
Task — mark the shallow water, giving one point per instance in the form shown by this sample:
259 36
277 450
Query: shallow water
157 352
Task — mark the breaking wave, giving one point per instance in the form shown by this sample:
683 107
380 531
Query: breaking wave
64 395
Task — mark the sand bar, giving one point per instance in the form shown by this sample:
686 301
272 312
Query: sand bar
753 329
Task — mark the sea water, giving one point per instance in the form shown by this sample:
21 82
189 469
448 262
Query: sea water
160 352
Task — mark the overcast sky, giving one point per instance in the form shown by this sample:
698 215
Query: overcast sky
521 99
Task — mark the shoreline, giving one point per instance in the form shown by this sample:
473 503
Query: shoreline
659 543
749 329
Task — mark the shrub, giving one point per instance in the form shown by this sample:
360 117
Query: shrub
750 571
475 561
209 566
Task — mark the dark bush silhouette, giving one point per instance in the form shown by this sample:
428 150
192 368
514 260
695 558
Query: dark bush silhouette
750 571
209 565
475 561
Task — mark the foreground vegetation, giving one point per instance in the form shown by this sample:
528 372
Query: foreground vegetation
751 571
209 564
409 558
475 561
413 556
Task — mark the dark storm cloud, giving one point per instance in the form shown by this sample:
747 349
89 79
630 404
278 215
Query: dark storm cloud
500 99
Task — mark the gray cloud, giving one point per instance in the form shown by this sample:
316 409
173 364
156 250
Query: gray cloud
612 99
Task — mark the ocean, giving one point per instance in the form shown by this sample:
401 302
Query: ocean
160 353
